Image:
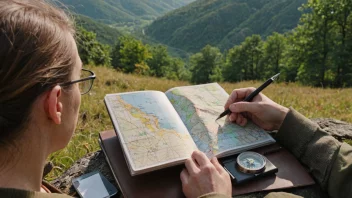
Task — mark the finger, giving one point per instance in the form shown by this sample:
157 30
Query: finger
200 158
244 122
238 95
233 117
217 165
239 119
191 166
233 97
240 107
184 176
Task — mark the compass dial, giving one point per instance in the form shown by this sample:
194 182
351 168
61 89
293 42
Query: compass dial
251 162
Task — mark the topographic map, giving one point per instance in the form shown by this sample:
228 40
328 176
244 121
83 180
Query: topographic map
150 130
199 106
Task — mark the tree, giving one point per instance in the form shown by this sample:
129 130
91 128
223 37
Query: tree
316 33
160 61
177 70
273 51
343 61
206 64
216 75
90 50
130 55
253 49
235 67
244 62
292 56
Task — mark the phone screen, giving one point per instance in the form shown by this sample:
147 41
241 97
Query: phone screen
94 185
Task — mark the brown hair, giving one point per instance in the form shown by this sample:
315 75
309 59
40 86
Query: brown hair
35 55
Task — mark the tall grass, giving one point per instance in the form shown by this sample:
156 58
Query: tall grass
93 118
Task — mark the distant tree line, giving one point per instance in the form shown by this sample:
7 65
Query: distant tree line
318 52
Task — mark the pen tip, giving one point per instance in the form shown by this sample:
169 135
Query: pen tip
274 77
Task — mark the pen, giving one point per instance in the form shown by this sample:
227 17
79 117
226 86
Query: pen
252 95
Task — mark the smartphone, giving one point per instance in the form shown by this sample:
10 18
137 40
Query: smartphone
93 185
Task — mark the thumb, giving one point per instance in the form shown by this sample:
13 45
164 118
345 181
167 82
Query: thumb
240 107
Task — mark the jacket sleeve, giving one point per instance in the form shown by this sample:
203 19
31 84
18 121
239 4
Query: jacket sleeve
329 161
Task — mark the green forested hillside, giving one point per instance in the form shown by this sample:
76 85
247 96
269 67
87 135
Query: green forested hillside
118 11
224 23
105 34
109 35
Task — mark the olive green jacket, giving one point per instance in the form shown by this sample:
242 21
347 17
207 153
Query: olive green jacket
329 161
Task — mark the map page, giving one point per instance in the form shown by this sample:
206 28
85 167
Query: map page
199 106
150 130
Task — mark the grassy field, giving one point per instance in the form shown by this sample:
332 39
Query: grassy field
93 118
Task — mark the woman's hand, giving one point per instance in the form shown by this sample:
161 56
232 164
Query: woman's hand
261 110
203 176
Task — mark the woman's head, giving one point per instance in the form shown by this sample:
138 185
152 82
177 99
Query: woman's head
37 53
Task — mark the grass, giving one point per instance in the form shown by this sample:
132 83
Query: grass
348 142
93 118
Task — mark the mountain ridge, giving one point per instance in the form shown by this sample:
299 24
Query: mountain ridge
117 11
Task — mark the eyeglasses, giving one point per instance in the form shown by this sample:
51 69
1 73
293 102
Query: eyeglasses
85 83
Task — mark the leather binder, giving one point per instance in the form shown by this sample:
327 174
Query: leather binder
167 183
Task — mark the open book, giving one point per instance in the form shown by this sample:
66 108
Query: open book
158 130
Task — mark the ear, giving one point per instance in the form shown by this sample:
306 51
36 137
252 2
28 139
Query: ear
53 106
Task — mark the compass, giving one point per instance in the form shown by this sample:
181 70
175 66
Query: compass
251 162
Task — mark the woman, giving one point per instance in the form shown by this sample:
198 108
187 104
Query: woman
329 161
40 92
